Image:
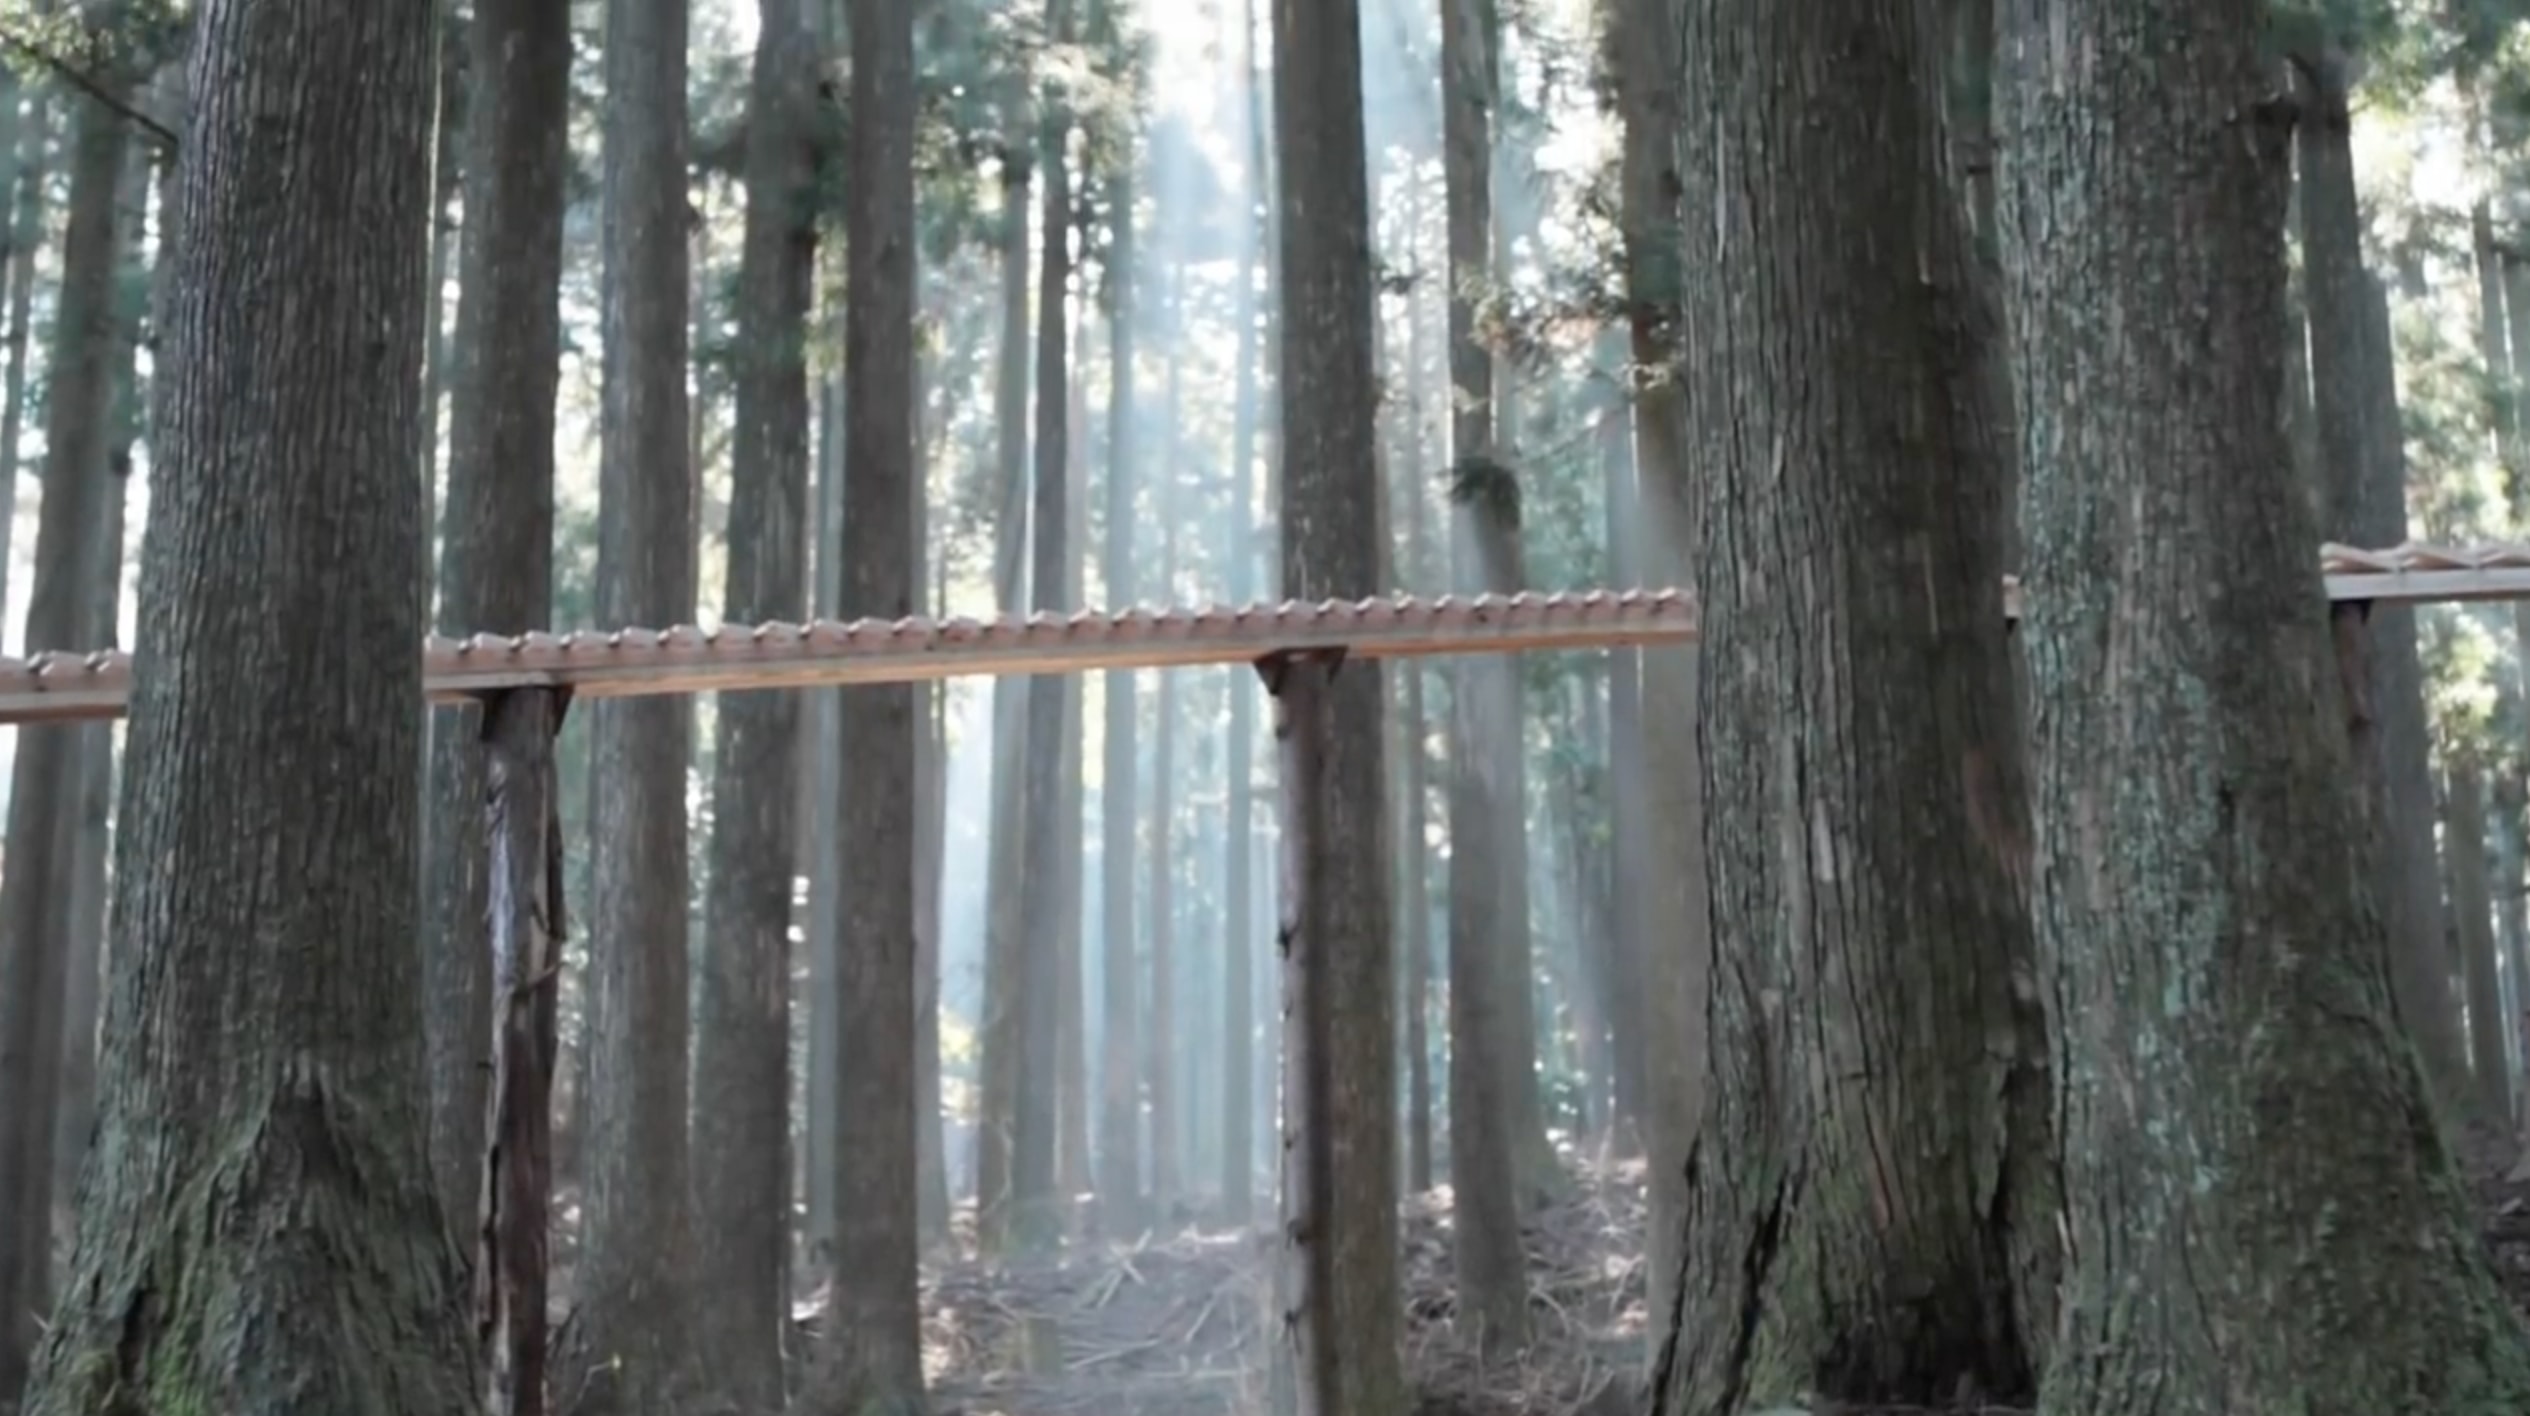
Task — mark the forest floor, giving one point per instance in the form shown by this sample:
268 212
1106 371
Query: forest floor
1179 1324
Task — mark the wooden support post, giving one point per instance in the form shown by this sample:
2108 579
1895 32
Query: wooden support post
1303 727
523 838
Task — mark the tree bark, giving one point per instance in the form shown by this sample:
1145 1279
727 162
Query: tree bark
48 768
496 568
1339 1013
1238 935
2464 847
261 1232
1120 1089
638 1342
2364 479
1036 1216
1005 942
742 1039
1865 1200
1672 946
2206 922
872 1333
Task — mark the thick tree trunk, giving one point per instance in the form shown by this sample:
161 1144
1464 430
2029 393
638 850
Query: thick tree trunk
496 571
742 1039
637 1343
2364 477
1119 1082
2189 746
1036 1218
261 1232
1671 949
1005 941
1339 1014
1865 1219
48 773
873 1336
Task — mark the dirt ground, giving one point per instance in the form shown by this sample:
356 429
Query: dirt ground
1176 1324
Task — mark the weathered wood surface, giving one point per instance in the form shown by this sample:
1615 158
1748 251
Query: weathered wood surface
686 659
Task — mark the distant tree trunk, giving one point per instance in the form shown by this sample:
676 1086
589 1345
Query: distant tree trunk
873 1334
1119 1090
447 168
1036 1219
2464 846
639 1345
263 1112
1238 994
25 143
742 1039
1071 1151
496 571
2364 472
1339 1048
143 288
1005 925
1670 952
2189 736
931 793
48 772
1867 830
1619 970
1416 905
1160 1078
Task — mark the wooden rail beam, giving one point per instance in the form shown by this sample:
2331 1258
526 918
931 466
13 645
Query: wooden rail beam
685 660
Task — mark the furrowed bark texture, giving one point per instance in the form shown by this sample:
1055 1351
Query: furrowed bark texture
1339 1008
873 1355
2228 1069
742 1051
260 1231
636 1341
47 769
1863 1215
496 559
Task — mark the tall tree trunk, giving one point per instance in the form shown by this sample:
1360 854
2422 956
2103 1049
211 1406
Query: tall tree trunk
264 1112
874 1340
1619 971
23 142
1416 905
2189 736
1119 1090
931 809
1671 949
456 74
1339 1042
2364 474
639 1344
1238 934
45 787
1036 1217
496 571
1005 939
742 1039
2464 846
1867 831
1071 1062
1160 1073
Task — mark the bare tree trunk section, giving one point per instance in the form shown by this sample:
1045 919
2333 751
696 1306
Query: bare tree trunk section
48 772
1119 1090
1865 1200
2364 478
1005 926
637 1340
1071 1060
523 868
1036 1217
2464 847
2189 743
742 1041
1672 948
25 142
496 568
262 1232
873 1343
1161 1082
1339 978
